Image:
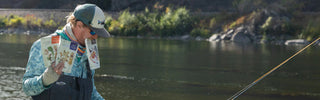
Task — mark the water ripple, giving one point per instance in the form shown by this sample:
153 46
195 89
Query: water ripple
12 68
10 84
114 76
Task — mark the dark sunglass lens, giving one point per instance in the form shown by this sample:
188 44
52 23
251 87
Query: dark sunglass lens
92 33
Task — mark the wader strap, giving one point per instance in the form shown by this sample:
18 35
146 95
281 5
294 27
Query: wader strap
86 85
89 74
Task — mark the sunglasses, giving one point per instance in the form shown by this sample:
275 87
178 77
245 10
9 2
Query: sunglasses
92 33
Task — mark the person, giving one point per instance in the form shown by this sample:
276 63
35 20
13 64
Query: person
50 83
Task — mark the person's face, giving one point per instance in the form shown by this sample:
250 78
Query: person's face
82 32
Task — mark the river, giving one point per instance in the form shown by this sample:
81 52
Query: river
162 69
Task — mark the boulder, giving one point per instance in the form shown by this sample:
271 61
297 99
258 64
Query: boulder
240 36
185 37
198 38
215 37
228 35
249 28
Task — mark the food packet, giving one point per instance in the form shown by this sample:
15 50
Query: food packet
66 53
92 53
49 46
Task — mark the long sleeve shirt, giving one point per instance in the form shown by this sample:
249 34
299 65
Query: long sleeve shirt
32 80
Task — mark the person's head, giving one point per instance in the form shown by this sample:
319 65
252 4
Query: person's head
87 21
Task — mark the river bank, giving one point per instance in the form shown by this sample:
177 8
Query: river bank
210 26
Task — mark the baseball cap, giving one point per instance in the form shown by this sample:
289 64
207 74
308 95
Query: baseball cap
92 16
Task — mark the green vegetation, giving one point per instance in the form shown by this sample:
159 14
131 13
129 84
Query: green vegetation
165 22
311 31
161 21
200 32
26 22
169 23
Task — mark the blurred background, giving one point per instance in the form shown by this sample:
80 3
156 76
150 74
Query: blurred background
139 5
259 20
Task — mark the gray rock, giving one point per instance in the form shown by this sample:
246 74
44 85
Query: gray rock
185 37
198 38
215 37
226 37
230 32
240 36
296 42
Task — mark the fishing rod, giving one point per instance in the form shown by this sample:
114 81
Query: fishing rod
269 72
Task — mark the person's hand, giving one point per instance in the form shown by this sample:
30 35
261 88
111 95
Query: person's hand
52 73
59 67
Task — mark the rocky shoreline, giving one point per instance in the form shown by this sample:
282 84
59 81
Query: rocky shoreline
215 38
25 31
252 28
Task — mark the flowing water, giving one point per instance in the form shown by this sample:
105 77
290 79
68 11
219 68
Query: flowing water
161 69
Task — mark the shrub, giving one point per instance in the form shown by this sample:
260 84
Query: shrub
238 22
175 22
27 22
50 23
114 27
169 23
31 21
311 31
14 21
108 21
200 32
2 21
128 24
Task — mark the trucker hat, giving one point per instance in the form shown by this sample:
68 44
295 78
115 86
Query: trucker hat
92 16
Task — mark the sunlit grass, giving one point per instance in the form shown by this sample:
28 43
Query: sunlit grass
26 22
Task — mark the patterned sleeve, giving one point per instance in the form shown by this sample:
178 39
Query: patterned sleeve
95 93
32 79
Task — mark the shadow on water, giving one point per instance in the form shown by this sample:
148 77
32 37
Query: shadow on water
160 69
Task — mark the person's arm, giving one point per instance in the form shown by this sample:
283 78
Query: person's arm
95 93
32 79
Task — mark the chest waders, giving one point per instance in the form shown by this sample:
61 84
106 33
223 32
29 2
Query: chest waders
69 88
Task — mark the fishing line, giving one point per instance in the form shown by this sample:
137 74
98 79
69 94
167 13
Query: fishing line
266 74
